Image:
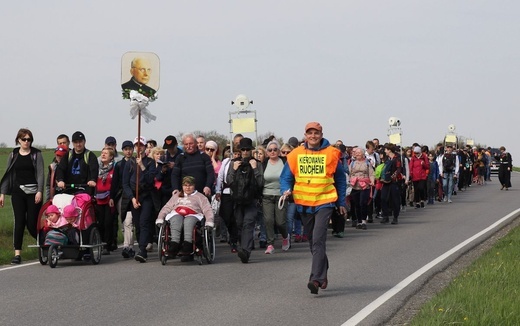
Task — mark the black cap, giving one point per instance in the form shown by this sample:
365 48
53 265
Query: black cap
170 142
127 143
78 135
110 140
293 141
245 143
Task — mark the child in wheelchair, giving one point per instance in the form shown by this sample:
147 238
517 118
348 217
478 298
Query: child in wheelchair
184 210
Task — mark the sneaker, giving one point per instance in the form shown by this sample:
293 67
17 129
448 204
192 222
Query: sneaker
394 221
363 226
131 253
113 247
297 238
17 260
445 199
149 247
263 244
286 244
314 286
417 206
403 208
234 249
269 250
385 220
359 226
370 220
244 256
305 238
339 235
450 201
187 248
140 258
105 252
422 204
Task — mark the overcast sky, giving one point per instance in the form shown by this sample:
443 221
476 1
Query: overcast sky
347 64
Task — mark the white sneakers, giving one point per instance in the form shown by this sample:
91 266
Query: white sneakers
286 244
269 250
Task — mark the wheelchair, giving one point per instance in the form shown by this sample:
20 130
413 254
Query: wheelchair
203 243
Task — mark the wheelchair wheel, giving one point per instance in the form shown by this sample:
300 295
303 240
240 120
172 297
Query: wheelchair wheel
162 243
95 240
42 257
209 244
52 256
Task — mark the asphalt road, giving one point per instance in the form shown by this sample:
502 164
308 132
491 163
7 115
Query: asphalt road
271 289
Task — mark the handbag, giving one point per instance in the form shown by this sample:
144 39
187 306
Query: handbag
29 189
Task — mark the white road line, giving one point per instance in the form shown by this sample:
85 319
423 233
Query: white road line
18 266
363 313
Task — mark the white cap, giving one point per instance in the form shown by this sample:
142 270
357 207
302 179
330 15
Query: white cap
141 140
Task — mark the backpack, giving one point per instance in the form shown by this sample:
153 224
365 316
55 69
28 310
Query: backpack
448 162
245 189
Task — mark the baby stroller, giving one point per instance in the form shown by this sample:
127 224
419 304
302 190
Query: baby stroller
87 244
203 243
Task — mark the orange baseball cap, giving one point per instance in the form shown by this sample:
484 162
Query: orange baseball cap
313 125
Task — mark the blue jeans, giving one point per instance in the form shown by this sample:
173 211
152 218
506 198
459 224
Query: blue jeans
293 224
448 183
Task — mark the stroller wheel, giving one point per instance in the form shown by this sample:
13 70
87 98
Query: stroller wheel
53 256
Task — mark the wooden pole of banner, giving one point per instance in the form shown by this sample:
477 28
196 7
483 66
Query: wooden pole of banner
138 168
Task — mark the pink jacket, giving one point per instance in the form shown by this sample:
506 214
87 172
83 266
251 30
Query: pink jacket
196 201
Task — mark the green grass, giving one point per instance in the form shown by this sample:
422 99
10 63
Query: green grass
486 293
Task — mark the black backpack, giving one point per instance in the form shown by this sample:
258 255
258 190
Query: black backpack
448 162
245 189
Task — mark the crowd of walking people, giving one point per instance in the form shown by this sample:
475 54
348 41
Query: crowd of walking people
289 192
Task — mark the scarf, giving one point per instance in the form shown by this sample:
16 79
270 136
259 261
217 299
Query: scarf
103 171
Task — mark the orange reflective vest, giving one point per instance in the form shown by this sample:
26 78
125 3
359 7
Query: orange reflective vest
314 175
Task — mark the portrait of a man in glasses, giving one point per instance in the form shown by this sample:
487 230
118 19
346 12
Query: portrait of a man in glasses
141 72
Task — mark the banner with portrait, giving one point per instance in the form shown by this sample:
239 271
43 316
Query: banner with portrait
140 72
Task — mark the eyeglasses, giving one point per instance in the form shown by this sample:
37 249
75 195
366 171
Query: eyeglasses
210 149
272 149
245 149
285 152
25 139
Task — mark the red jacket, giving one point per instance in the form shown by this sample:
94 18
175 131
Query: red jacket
419 167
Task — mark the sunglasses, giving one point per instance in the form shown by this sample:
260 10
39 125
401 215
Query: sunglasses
246 149
26 139
210 149
286 152
272 149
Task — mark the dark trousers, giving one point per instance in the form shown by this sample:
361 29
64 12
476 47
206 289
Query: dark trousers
504 176
338 222
316 229
105 219
359 200
419 190
245 216
391 199
25 215
141 218
227 214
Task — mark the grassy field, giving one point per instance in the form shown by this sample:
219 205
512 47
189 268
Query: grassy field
486 293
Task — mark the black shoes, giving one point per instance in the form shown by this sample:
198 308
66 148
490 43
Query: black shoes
173 249
314 286
17 260
243 255
263 244
394 221
422 204
385 220
187 248
140 257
